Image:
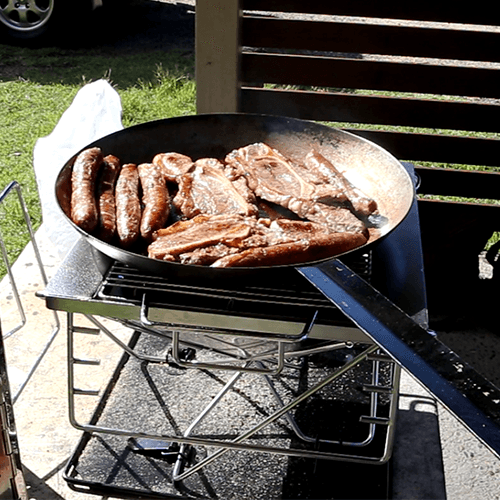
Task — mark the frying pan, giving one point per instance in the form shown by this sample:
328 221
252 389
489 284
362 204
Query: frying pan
369 167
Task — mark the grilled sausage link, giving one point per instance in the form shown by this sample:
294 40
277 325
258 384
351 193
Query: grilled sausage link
128 206
84 211
155 198
106 197
63 190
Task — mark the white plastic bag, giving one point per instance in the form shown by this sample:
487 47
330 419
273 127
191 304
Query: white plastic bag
96 111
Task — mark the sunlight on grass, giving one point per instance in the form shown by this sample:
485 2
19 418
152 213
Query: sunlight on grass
40 85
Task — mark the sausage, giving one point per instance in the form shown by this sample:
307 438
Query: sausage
155 199
128 206
106 197
84 211
63 191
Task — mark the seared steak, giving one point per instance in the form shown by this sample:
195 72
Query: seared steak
199 232
322 171
206 190
272 177
235 240
173 165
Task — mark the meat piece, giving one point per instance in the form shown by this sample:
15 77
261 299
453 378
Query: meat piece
325 172
235 240
128 206
155 198
333 219
199 232
205 189
63 191
272 177
106 197
268 174
84 211
174 165
317 247
206 256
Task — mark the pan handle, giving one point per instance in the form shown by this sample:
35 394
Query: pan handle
465 392
202 329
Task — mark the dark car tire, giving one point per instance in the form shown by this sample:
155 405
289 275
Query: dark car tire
28 20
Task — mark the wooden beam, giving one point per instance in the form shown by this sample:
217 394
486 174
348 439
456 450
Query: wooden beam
217 55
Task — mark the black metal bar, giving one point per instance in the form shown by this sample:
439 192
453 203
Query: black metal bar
468 395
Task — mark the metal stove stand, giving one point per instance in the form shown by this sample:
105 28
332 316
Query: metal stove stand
200 390
162 429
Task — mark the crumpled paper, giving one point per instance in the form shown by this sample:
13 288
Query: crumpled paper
95 112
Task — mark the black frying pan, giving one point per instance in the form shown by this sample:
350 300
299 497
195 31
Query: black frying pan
369 167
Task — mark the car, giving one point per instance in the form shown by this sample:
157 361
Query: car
33 19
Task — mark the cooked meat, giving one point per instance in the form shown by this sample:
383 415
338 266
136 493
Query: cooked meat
174 165
63 190
206 256
333 219
272 177
308 211
268 174
324 172
155 198
206 190
318 246
128 206
106 197
234 240
84 212
199 232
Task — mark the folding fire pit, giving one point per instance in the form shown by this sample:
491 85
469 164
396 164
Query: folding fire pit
296 363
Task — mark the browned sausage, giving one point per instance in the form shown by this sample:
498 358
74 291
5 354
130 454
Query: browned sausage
63 190
83 203
106 197
155 198
128 206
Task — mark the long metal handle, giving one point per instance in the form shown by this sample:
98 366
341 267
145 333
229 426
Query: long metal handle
471 397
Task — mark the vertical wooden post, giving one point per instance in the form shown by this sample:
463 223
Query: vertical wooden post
217 55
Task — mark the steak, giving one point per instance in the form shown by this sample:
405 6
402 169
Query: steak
173 165
235 240
205 189
200 232
275 179
321 171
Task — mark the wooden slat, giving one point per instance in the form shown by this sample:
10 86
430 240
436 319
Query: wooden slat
435 148
373 75
460 183
370 39
217 53
341 107
424 10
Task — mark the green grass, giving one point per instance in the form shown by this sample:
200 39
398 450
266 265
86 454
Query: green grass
38 85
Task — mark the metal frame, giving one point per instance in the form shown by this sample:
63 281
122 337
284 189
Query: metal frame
269 352
11 188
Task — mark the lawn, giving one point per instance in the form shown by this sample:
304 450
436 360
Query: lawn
38 85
